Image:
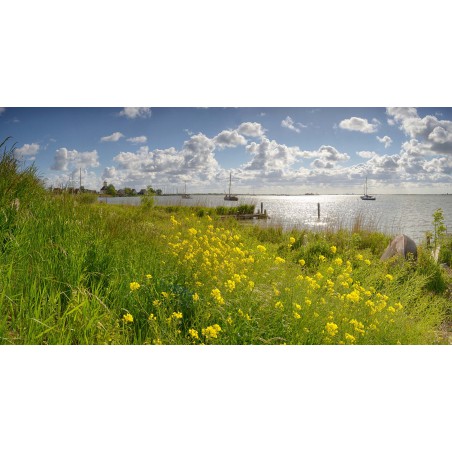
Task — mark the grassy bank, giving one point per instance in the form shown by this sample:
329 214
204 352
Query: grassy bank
77 272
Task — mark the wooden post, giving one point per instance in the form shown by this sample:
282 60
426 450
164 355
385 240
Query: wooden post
318 210
262 207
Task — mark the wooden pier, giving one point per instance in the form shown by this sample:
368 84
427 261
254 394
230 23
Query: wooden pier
247 216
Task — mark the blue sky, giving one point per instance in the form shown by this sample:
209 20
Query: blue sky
269 150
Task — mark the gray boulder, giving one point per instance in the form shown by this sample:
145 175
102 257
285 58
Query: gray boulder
401 245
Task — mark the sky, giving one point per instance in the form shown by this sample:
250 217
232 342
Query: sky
267 150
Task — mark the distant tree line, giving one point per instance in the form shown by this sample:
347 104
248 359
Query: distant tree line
111 190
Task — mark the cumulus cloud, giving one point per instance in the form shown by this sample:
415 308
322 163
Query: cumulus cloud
434 136
196 159
229 139
289 123
116 136
387 141
366 154
359 125
27 151
251 129
138 140
326 157
135 112
65 159
268 155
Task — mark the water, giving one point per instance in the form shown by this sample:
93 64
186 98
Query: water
391 214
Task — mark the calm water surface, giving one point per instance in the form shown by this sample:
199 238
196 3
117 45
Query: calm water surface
392 214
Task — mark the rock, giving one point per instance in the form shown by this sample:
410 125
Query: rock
401 245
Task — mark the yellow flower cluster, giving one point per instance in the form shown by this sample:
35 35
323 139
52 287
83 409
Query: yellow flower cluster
211 332
127 318
134 286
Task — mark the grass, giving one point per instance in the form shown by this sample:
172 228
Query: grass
77 272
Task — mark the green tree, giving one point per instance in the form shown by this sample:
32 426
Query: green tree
111 190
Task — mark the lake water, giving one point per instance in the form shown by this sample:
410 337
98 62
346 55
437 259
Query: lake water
392 214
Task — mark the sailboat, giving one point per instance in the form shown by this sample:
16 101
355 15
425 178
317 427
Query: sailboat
185 195
230 197
367 197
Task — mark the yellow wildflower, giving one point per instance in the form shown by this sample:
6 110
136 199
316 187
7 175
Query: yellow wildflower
216 294
279 305
230 285
331 328
211 332
195 297
308 301
134 286
322 258
192 231
359 257
279 260
333 249
367 261
389 277
296 315
193 333
127 318
353 296
148 276
359 327
152 317
350 338
302 262
338 261
261 248
237 278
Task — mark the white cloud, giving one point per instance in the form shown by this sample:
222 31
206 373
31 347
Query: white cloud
138 140
268 155
359 125
251 129
289 123
327 157
366 154
229 139
432 134
135 112
27 151
194 161
387 141
65 160
116 136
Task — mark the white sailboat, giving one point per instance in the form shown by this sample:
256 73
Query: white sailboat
185 195
230 197
367 197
